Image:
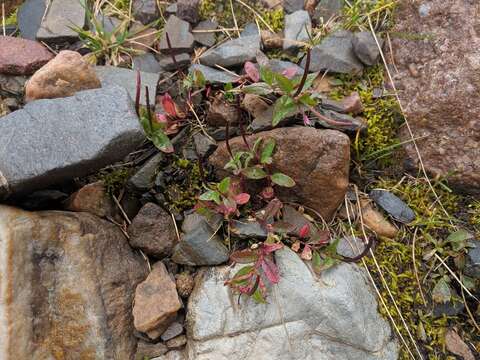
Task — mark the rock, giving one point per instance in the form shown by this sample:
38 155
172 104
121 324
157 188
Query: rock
250 29
153 231
12 85
435 101
291 6
21 57
185 285
68 286
318 161
172 331
182 61
145 11
366 48
145 38
29 18
254 104
92 198
172 355
376 222
472 260
71 137
352 104
177 342
146 63
205 38
296 219
232 52
450 308
110 76
156 300
58 23
205 146
194 220
201 246
245 229
271 40
335 54
171 9
327 9
144 179
297 28
188 10
62 76
393 205
214 76
109 24
342 321
278 66
456 345
350 246
220 112
342 122
147 350
181 39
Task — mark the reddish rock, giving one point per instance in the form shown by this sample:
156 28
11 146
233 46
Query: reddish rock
318 161
439 40
153 231
92 198
65 75
221 112
22 57
156 301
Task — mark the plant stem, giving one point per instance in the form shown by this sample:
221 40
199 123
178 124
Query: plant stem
305 74
137 94
227 139
149 114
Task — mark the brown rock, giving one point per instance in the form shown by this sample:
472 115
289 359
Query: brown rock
318 161
352 104
440 40
376 222
177 342
255 105
63 76
221 112
156 301
21 57
92 198
149 351
185 284
66 288
271 40
153 231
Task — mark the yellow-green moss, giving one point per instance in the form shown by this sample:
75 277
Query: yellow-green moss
183 196
116 179
356 13
12 18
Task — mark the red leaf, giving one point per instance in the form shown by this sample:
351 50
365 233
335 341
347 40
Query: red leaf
289 72
269 248
304 231
169 105
242 198
306 253
267 193
271 271
252 72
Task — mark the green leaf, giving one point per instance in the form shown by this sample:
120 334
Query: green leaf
258 297
256 145
309 82
224 185
307 99
258 89
441 292
266 157
267 75
241 274
161 140
199 79
458 239
254 173
282 180
284 83
284 107
210 195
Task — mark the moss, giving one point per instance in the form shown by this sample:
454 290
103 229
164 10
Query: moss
12 18
183 195
355 15
116 179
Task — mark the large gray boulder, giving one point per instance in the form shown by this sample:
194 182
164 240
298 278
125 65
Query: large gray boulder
66 287
50 141
332 317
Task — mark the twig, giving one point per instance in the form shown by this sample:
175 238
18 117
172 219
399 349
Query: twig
124 214
234 18
305 74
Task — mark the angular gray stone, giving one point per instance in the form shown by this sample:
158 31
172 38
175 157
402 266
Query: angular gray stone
111 75
205 38
233 52
342 322
61 16
172 355
172 331
276 65
145 11
250 29
144 179
350 246
245 229
326 9
29 18
290 6
366 48
200 247
50 141
204 145
335 54
146 63
148 351
472 261
342 122
393 205
214 76
167 63
181 39
297 27
109 23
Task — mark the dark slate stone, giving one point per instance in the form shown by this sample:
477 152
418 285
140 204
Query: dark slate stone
181 39
54 140
335 54
472 260
366 48
145 11
205 38
204 145
233 52
146 63
188 10
167 63
245 229
451 308
393 205
342 122
143 180
214 76
29 18
326 9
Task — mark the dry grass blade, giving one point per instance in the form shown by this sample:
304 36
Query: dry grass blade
234 18
256 14
415 267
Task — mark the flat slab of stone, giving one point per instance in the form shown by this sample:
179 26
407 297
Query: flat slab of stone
331 317
50 141
115 76
60 17
30 17
233 52
22 57
214 76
